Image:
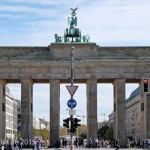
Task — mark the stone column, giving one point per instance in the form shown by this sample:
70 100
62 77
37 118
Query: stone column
2 110
91 110
54 111
145 115
26 110
119 111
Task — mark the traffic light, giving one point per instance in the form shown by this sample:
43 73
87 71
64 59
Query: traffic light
76 122
66 122
72 128
145 86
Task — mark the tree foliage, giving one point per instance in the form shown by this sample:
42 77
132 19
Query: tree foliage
63 131
45 133
105 132
109 134
82 131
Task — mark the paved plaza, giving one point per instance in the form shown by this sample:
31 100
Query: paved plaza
95 149
99 149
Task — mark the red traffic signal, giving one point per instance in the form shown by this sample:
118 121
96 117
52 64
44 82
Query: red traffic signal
145 85
73 128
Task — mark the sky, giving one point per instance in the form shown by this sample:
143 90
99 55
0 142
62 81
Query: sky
108 22
41 100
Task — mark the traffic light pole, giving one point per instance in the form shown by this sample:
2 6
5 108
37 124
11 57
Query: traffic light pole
72 77
72 66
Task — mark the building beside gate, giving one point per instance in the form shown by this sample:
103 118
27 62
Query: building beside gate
133 115
11 116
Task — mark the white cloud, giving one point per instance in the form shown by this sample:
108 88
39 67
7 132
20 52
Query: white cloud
112 22
26 10
44 2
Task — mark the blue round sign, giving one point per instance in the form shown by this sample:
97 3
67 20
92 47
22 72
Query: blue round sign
72 103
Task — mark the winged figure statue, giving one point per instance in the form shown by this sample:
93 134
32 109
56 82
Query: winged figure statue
73 11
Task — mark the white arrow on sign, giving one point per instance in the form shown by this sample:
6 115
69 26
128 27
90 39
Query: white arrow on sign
71 89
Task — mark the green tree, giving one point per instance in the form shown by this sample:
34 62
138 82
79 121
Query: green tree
109 134
82 131
102 131
63 131
41 132
19 135
83 135
45 133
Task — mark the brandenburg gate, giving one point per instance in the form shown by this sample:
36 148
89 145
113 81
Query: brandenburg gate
93 64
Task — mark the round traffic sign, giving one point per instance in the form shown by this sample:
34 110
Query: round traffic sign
72 103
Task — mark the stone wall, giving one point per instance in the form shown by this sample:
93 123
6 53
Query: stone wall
91 61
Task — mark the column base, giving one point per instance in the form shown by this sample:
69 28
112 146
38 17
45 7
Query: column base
123 146
27 146
51 146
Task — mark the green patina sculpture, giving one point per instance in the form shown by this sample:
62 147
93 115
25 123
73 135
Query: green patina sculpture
72 32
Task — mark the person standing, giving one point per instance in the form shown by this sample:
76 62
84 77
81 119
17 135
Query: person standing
9 145
90 143
34 144
2 145
96 142
117 144
57 144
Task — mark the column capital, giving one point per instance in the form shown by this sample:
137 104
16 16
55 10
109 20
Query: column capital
51 80
3 81
118 80
91 80
26 80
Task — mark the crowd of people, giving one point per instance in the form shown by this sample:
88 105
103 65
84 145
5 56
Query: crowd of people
81 143
37 144
101 143
18 144
137 143
10 144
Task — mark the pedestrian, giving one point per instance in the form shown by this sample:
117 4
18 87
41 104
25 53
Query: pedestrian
139 143
117 144
34 144
90 143
76 142
38 144
65 143
2 145
96 142
9 145
57 144
20 143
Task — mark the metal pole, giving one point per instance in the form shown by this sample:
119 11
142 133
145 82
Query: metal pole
72 77
72 65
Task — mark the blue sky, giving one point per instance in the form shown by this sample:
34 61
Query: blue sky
109 23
